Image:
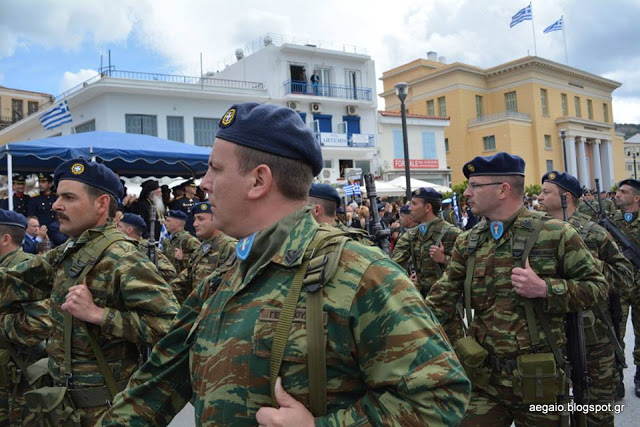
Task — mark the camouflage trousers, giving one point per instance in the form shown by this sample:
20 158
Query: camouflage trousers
601 365
89 417
13 412
635 319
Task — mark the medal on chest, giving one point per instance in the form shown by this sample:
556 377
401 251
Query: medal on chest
244 247
497 229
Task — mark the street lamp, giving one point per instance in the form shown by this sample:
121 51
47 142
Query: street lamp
635 173
401 92
563 134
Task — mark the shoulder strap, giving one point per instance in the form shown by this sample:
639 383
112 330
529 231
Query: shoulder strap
475 239
445 228
584 231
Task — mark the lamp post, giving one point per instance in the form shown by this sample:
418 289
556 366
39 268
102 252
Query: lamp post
635 173
563 134
401 92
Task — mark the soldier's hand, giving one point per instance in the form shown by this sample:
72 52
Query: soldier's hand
42 232
437 253
79 303
178 254
291 412
527 283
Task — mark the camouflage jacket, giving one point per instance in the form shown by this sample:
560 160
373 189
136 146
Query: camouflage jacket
138 304
180 240
165 268
413 248
356 234
212 253
387 360
559 257
631 229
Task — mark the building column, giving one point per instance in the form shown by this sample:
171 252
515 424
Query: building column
597 167
570 143
583 170
606 154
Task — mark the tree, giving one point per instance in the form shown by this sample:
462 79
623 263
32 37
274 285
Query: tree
533 189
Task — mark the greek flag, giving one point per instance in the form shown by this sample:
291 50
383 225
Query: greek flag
56 116
356 189
348 190
164 234
556 26
522 15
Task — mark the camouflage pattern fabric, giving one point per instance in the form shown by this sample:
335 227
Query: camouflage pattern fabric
139 306
608 205
165 268
210 255
180 240
618 272
499 325
357 234
387 360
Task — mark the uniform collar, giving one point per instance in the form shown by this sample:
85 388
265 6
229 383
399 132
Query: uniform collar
3 258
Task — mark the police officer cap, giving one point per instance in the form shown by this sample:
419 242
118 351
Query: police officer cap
134 220
202 207
564 180
13 219
45 177
340 211
380 206
498 164
91 173
630 182
427 194
19 179
271 128
324 191
178 215
405 210
189 182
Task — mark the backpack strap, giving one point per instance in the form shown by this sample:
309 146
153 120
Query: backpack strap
443 232
476 238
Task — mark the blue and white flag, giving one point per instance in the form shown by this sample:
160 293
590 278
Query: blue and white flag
522 15
348 190
164 234
455 209
57 116
556 26
356 189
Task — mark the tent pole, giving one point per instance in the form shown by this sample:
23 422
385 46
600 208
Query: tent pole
10 181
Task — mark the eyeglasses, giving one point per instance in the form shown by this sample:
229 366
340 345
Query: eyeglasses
473 185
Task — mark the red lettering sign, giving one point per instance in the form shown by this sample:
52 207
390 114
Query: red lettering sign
416 164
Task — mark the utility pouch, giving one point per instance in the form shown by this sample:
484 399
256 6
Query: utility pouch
589 325
536 378
473 358
53 406
5 370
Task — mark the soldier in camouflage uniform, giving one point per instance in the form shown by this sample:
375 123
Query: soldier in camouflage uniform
179 239
628 221
16 338
584 209
134 227
601 344
121 299
560 275
387 362
215 249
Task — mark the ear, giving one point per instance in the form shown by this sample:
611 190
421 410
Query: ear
261 182
103 203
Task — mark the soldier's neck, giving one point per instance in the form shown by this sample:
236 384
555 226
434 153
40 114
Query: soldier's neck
631 208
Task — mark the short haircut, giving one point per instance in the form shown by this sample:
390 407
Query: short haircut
436 205
16 233
516 182
94 193
328 206
33 217
134 228
292 177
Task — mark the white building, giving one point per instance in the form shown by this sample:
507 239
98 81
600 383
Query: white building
426 143
632 156
341 109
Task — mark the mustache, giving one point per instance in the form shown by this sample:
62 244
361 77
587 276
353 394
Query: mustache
62 216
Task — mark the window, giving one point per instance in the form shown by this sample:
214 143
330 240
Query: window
365 165
547 142
576 100
89 126
16 110
175 128
545 102
549 165
446 145
204 131
479 107
565 107
328 163
629 167
429 145
141 124
590 109
605 113
511 102
398 147
32 107
442 107
431 109
489 142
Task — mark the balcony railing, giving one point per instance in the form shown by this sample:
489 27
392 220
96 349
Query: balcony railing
339 140
331 91
499 116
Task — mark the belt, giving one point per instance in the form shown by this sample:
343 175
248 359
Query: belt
92 397
498 364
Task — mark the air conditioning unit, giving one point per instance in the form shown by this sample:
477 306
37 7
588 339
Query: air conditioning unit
316 107
352 110
328 176
293 105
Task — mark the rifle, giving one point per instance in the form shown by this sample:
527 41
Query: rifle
380 236
576 350
152 251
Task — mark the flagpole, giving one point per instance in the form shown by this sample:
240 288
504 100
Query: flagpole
533 29
564 36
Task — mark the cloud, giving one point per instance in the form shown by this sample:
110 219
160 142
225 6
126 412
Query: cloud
626 109
70 80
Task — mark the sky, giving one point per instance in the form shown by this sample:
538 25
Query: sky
52 45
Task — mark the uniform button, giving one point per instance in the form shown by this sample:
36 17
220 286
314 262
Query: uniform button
112 315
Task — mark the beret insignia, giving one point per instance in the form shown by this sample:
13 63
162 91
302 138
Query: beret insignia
228 118
203 207
471 167
551 176
77 168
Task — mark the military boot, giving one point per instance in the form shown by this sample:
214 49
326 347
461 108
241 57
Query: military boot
636 381
620 388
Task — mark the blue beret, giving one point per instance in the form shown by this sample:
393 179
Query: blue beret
630 182
13 219
564 180
178 215
91 173
324 191
427 194
271 128
498 164
202 207
134 220
405 210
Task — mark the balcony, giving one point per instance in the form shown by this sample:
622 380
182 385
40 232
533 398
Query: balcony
342 140
505 115
294 87
6 121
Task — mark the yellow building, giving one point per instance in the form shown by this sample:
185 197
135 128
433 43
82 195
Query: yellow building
16 104
521 107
